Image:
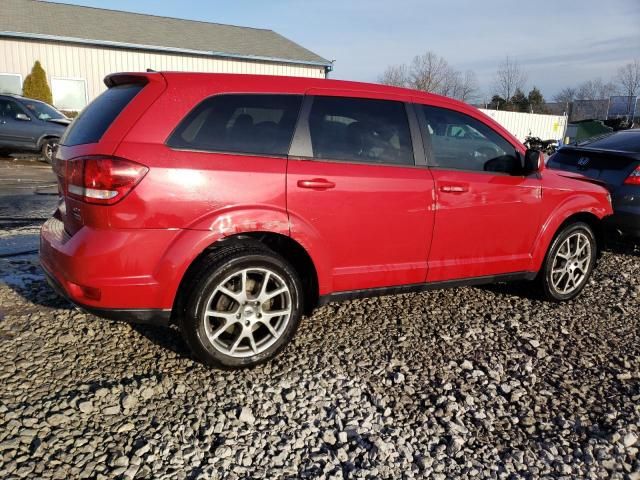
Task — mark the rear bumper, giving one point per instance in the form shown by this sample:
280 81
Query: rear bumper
142 316
109 273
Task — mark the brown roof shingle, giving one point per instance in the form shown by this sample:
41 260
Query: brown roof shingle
86 24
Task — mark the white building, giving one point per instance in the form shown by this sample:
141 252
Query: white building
79 46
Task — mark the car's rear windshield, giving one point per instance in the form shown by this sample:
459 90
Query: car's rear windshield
583 159
624 141
99 115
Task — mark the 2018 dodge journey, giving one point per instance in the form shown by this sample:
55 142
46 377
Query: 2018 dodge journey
233 204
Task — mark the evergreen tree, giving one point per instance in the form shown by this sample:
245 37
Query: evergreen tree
35 85
497 103
536 101
520 101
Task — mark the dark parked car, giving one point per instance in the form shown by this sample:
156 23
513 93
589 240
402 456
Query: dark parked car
28 125
614 160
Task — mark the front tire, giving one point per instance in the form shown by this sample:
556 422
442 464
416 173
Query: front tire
244 307
569 262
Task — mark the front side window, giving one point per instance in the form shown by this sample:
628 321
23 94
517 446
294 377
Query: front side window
461 142
360 130
9 109
254 124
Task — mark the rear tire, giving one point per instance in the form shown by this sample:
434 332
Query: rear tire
48 150
569 262
244 307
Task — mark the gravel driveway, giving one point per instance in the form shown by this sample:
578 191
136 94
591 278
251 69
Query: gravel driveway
469 382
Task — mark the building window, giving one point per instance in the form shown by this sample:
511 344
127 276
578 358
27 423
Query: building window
10 83
69 94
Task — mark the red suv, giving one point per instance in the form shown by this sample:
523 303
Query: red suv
233 204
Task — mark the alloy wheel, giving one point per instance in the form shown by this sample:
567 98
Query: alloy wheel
571 263
247 312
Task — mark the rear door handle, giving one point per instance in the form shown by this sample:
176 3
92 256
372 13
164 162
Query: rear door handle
316 184
454 188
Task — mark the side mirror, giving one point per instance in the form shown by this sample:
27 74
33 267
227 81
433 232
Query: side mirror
531 163
23 116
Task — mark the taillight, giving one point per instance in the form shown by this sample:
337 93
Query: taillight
102 180
634 178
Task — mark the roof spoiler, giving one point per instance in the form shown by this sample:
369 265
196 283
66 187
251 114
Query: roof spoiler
125 78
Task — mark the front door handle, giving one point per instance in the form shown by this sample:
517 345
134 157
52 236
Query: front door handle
316 184
454 188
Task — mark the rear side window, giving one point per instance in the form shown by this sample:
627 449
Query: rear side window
254 124
99 115
360 130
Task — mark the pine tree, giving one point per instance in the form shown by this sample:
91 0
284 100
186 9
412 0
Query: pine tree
536 101
497 103
35 85
520 101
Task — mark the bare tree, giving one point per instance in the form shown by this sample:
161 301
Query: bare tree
629 78
587 90
450 84
565 96
595 90
468 88
509 78
429 72
396 75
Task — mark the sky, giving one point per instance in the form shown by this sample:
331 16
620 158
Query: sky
557 43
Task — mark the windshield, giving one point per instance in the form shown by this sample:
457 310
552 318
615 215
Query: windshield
42 110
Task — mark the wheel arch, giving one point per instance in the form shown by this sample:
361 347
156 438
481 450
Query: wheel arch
47 136
590 219
561 222
283 245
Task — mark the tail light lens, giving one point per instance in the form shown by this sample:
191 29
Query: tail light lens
102 180
634 178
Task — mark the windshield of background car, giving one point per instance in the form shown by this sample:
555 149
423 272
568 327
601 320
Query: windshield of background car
42 110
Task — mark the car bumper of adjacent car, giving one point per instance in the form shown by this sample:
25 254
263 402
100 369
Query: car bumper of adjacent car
625 222
95 271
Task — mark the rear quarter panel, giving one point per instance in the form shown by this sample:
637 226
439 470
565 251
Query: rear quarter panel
204 195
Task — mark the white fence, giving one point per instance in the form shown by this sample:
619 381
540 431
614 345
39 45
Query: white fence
546 127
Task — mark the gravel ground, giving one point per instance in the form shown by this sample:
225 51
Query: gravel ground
462 383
